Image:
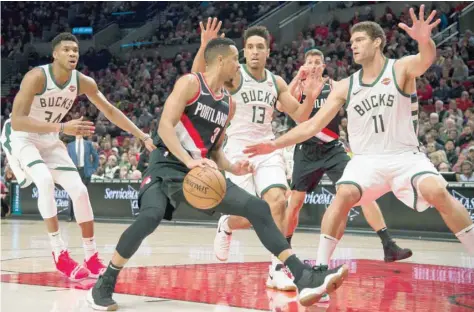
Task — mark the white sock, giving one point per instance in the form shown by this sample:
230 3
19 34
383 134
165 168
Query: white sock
57 243
326 247
90 247
466 237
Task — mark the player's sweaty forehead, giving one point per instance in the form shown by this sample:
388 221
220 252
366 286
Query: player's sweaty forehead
256 41
68 45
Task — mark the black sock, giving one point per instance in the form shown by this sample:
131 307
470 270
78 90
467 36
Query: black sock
296 267
288 239
112 271
384 236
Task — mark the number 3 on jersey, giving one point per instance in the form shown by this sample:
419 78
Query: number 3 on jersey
49 116
258 114
214 136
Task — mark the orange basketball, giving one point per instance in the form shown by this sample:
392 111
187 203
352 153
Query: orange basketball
204 188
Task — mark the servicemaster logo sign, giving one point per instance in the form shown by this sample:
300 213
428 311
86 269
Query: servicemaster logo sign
467 202
325 197
61 197
128 193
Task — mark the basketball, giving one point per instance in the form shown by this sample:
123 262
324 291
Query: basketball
204 188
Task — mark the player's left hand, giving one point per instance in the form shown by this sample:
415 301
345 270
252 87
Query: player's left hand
149 144
315 83
242 167
421 28
211 31
260 148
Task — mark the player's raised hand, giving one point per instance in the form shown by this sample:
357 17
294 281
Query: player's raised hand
241 167
78 127
303 72
260 148
315 82
211 30
421 28
203 162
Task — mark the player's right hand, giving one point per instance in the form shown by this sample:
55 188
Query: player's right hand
79 127
210 32
260 148
204 162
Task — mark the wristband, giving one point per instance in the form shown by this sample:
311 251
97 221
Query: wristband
61 127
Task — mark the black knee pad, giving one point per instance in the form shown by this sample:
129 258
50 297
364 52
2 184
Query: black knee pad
257 209
145 224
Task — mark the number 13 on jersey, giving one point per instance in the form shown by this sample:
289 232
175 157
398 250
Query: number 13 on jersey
258 114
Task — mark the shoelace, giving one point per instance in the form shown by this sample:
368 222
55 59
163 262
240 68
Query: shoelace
320 268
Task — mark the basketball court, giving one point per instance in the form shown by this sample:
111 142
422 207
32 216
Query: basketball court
175 270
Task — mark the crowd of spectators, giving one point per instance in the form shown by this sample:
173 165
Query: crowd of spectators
140 85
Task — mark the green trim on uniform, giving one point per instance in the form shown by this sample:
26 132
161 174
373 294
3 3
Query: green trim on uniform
240 85
45 82
376 80
274 81
77 82
244 66
8 132
50 67
415 192
351 81
22 183
66 169
352 183
396 83
276 185
35 162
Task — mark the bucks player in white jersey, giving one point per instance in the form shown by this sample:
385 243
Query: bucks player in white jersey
46 95
382 108
256 92
325 154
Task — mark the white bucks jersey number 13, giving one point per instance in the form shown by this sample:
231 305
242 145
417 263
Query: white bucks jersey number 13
255 102
382 119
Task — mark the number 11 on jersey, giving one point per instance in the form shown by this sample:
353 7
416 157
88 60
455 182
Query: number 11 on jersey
378 124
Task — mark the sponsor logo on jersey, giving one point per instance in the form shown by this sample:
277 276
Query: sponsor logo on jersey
386 81
72 88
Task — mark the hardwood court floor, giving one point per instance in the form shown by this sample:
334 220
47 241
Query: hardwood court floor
175 270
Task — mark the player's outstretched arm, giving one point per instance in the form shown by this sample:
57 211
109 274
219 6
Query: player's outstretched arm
88 86
309 128
207 34
289 104
416 65
238 168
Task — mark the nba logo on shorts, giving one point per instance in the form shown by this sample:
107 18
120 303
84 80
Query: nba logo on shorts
145 181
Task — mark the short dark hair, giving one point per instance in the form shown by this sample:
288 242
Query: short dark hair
65 36
217 46
373 30
260 31
314 52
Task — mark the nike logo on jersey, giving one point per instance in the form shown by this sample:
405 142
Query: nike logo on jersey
355 92
204 93
325 91
51 88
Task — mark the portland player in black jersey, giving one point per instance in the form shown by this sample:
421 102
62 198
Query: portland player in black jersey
190 134
324 153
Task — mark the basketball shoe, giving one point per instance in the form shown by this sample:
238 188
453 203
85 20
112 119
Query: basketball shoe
95 266
278 278
70 268
318 281
394 253
100 296
222 239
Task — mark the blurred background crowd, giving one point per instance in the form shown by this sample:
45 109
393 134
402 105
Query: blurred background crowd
138 79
